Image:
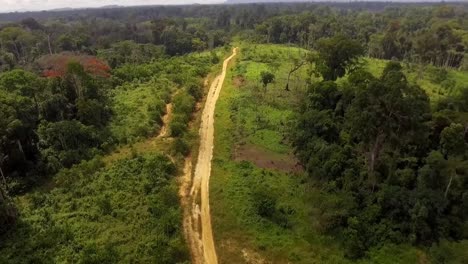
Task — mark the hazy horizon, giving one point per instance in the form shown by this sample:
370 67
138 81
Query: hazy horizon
39 5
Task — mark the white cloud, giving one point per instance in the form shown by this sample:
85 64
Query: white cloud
33 5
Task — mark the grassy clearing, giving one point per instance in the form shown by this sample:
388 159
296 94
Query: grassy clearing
426 78
247 115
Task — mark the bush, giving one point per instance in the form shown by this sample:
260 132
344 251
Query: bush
138 109
92 254
265 203
184 103
177 128
195 90
180 146
214 58
104 205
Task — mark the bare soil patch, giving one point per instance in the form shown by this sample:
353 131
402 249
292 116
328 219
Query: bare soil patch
267 160
239 81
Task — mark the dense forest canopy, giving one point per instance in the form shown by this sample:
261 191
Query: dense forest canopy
390 160
418 33
398 170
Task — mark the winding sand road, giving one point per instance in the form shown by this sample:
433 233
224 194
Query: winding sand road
203 250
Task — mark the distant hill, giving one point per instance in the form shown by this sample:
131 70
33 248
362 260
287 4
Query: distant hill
61 9
81 8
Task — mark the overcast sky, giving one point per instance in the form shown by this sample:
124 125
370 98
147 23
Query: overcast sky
34 5
30 5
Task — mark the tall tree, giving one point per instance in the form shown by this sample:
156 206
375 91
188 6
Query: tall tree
336 56
386 114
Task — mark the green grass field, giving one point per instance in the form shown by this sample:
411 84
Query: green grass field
240 232
249 115
424 76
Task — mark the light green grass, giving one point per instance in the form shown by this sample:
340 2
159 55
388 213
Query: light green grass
236 222
421 75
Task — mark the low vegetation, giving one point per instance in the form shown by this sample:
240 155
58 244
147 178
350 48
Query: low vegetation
126 212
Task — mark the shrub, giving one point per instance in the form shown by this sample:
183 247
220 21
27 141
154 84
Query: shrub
180 146
265 203
177 128
214 58
195 90
92 254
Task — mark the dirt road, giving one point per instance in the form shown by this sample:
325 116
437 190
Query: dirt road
198 215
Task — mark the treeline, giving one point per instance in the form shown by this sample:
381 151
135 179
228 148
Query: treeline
392 170
433 35
23 43
211 11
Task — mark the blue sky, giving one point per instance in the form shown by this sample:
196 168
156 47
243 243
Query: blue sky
30 5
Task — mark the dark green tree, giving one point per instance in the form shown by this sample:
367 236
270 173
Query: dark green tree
266 78
337 56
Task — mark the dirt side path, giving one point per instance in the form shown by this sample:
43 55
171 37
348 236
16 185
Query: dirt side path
199 222
166 118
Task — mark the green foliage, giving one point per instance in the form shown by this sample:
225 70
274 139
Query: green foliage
92 113
138 109
452 140
65 143
214 58
19 42
195 90
21 82
270 209
448 252
337 56
129 52
8 212
181 146
95 214
266 78
370 140
437 75
184 104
